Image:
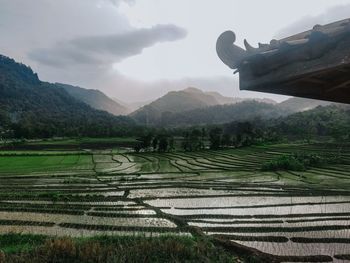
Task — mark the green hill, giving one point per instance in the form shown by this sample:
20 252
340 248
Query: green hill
302 104
32 108
329 120
187 101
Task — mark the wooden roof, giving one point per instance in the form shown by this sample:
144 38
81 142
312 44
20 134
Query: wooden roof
313 64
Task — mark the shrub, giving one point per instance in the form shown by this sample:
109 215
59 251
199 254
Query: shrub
300 162
284 162
18 243
123 249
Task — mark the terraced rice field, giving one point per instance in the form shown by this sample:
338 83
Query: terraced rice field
296 216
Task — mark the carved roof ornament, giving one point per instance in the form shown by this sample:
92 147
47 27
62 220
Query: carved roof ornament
304 46
312 64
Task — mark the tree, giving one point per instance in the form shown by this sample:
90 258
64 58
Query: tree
196 140
215 138
146 141
227 140
137 148
163 143
171 143
193 141
340 132
155 143
204 134
186 145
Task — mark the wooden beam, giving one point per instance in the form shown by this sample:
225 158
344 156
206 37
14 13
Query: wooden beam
341 85
343 70
314 80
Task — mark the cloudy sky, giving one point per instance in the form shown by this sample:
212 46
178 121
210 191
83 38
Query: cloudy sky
137 50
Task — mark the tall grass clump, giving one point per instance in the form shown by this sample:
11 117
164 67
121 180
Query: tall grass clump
300 162
10 243
122 249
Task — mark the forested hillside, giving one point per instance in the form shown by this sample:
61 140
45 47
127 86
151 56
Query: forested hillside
189 102
173 102
96 99
32 108
246 110
333 120
327 123
195 107
302 104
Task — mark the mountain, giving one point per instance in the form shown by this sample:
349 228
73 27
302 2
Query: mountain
302 104
222 99
180 102
218 114
208 98
132 106
31 108
95 98
187 99
246 110
172 102
192 106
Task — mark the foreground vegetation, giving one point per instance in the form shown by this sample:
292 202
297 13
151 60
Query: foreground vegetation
40 249
302 161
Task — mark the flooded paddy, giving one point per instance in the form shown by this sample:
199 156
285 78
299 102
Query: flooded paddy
223 193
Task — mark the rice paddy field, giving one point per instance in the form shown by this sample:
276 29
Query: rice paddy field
223 194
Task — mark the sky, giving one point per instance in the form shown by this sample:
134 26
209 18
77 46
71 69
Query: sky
137 50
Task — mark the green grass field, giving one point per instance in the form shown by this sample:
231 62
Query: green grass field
21 163
82 140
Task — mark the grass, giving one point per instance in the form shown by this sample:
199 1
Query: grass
85 140
41 153
40 163
40 249
284 162
300 161
14 243
76 181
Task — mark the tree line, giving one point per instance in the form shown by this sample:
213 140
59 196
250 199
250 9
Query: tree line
330 123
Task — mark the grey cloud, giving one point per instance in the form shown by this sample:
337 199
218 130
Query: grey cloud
106 49
117 2
306 23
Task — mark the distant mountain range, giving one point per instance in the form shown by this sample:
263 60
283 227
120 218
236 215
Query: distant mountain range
177 102
51 109
192 106
188 103
96 99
